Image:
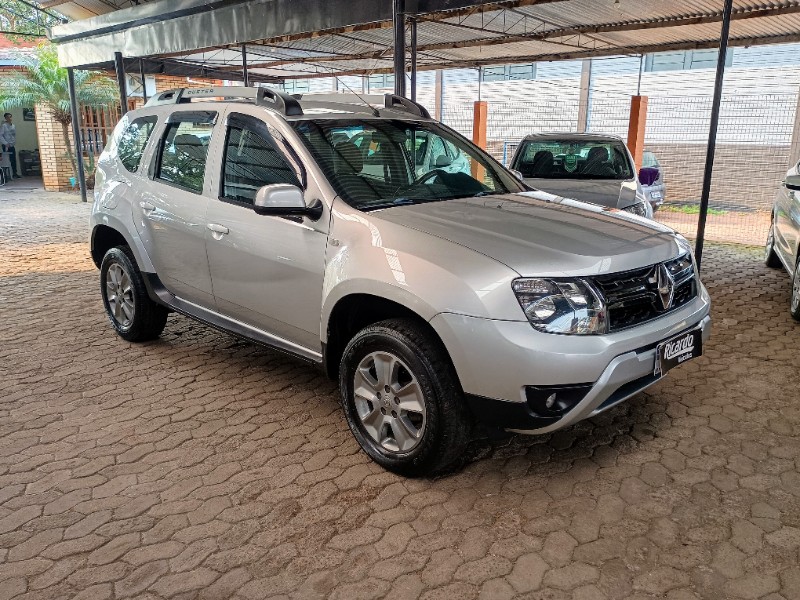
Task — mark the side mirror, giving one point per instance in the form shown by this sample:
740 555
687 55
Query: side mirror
517 174
792 183
285 200
648 175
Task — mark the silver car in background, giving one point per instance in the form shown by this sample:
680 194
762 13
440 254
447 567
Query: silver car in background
587 167
783 239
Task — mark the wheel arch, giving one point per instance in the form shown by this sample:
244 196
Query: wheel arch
110 233
353 312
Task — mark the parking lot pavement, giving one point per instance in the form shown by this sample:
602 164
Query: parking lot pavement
203 466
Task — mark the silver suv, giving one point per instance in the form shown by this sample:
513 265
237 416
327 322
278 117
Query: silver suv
438 299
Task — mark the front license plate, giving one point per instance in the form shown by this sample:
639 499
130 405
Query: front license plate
678 350
655 195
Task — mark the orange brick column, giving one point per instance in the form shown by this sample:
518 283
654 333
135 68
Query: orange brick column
479 126
636 128
56 168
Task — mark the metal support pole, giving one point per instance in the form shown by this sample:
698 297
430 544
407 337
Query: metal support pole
413 26
144 81
76 131
245 76
639 83
399 47
712 134
123 94
585 99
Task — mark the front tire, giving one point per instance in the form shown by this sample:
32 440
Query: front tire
402 398
134 316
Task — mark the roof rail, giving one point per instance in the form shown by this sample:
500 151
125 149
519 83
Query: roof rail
393 101
262 96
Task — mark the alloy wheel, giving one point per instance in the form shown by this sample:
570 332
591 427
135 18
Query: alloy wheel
389 402
119 293
770 243
796 292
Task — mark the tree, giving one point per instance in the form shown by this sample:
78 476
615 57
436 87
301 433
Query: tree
42 81
23 18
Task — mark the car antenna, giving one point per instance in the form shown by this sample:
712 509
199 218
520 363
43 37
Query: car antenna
359 96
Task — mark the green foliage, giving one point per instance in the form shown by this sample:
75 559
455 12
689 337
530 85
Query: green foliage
43 81
689 209
23 18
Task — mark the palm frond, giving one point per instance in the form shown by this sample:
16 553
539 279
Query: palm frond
43 81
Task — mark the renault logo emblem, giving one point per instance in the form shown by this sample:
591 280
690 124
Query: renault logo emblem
666 286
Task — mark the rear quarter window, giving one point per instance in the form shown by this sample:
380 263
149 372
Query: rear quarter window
132 141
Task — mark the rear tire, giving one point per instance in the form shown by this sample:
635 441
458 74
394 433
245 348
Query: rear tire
402 398
133 315
794 302
770 257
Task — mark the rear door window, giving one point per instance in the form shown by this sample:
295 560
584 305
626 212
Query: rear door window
184 150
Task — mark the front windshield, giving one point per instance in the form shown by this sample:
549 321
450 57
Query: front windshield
375 163
574 159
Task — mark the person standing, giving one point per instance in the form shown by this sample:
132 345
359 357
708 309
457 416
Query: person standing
8 138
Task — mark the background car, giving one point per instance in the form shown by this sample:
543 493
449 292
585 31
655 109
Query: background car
651 176
587 167
783 239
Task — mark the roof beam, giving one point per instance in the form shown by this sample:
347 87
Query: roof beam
786 8
604 52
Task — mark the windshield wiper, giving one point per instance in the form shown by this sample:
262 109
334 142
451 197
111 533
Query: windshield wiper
402 201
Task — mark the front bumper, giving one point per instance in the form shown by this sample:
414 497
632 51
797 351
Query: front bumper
498 360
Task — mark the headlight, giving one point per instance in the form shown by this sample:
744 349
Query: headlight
640 209
569 306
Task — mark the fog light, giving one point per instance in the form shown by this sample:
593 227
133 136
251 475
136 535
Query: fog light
555 400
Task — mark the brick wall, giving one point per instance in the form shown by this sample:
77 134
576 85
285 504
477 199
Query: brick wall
56 168
745 175
169 82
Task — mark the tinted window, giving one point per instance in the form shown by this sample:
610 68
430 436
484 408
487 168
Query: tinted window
252 160
375 163
574 159
132 141
183 154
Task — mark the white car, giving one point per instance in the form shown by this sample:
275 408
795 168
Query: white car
585 166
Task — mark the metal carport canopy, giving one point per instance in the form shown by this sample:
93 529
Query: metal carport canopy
287 39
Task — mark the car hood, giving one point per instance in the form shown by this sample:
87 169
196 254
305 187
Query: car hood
536 233
611 193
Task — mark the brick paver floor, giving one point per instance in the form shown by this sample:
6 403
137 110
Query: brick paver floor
203 466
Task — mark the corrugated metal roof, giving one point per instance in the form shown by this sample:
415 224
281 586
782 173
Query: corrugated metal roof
519 31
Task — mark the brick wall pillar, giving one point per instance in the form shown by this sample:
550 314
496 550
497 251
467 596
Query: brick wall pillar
479 126
56 169
636 128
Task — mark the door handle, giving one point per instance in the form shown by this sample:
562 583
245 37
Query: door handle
213 227
147 206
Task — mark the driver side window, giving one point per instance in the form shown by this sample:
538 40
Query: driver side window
252 160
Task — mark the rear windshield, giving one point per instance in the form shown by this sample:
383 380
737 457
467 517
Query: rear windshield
574 159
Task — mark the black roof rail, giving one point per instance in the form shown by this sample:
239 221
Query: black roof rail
281 101
262 96
396 102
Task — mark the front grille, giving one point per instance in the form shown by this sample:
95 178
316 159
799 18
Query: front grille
633 298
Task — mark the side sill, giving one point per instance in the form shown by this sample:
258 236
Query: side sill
158 293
